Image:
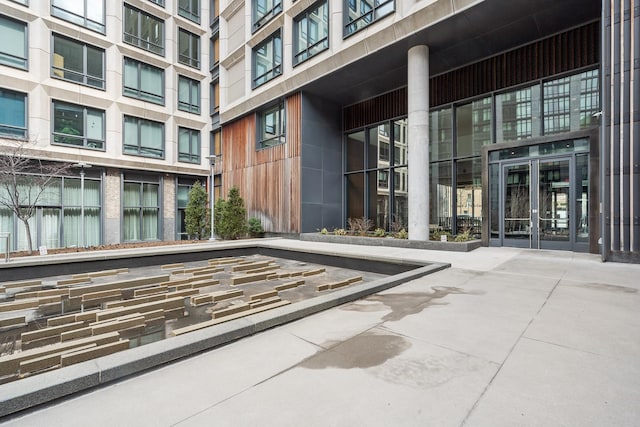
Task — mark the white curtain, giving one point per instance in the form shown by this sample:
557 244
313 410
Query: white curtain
6 226
150 212
50 235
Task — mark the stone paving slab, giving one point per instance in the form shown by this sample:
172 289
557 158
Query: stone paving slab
517 344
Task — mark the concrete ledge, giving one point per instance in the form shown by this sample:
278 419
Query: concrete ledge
392 242
29 392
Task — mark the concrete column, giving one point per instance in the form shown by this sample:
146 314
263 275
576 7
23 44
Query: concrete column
418 132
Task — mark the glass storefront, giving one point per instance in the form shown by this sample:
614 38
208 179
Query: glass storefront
457 134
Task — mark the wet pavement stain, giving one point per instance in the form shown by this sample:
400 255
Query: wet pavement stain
405 304
362 351
609 288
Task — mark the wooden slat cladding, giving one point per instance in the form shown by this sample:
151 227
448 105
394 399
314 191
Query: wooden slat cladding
268 179
564 52
558 54
383 107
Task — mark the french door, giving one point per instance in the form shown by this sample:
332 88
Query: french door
537 197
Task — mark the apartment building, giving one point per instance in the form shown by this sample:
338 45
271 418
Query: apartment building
120 91
516 120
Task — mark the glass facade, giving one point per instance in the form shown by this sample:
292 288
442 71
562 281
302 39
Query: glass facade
457 134
377 176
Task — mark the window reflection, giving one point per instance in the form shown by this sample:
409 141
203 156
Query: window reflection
473 127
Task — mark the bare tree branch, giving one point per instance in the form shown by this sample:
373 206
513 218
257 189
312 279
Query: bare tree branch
23 181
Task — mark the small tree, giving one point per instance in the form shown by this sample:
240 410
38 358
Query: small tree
196 212
231 221
23 181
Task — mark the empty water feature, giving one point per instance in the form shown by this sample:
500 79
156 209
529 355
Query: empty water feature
194 302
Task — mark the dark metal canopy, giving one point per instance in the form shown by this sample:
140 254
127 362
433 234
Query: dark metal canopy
489 28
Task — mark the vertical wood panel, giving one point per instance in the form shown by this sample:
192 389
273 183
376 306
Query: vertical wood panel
268 179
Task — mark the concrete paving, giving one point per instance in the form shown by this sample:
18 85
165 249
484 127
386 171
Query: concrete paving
505 337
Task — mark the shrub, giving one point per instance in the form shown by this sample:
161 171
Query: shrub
360 225
379 232
230 221
324 231
196 213
255 227
402 234
437 235
465 236
339 231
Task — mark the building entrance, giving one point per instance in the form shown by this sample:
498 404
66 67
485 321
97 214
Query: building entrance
540 202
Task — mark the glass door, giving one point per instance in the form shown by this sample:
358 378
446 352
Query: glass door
516 205
536 204
554 204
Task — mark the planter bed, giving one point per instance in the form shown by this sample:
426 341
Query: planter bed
393 242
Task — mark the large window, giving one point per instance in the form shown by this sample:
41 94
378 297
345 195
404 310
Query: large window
143 30
377 174
188 95
518 114
571 103
271 126
143 81
188 48
143 137
189 9
88 13
78 126
264 10
64 215
311 32
77 62
13 114
141 205
188 145
361 13
473 127
13 49
267 60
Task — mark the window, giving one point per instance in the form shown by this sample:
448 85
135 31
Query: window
518 114
143 30
556 106
13 49
78 126
188 145
143 81
473 127
214 97
264 10
141 205
267 60
143 137
188 95
77 62
189 9
188 49
271 126
24 2
88 13
361 13
158 2
311 32
13 114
